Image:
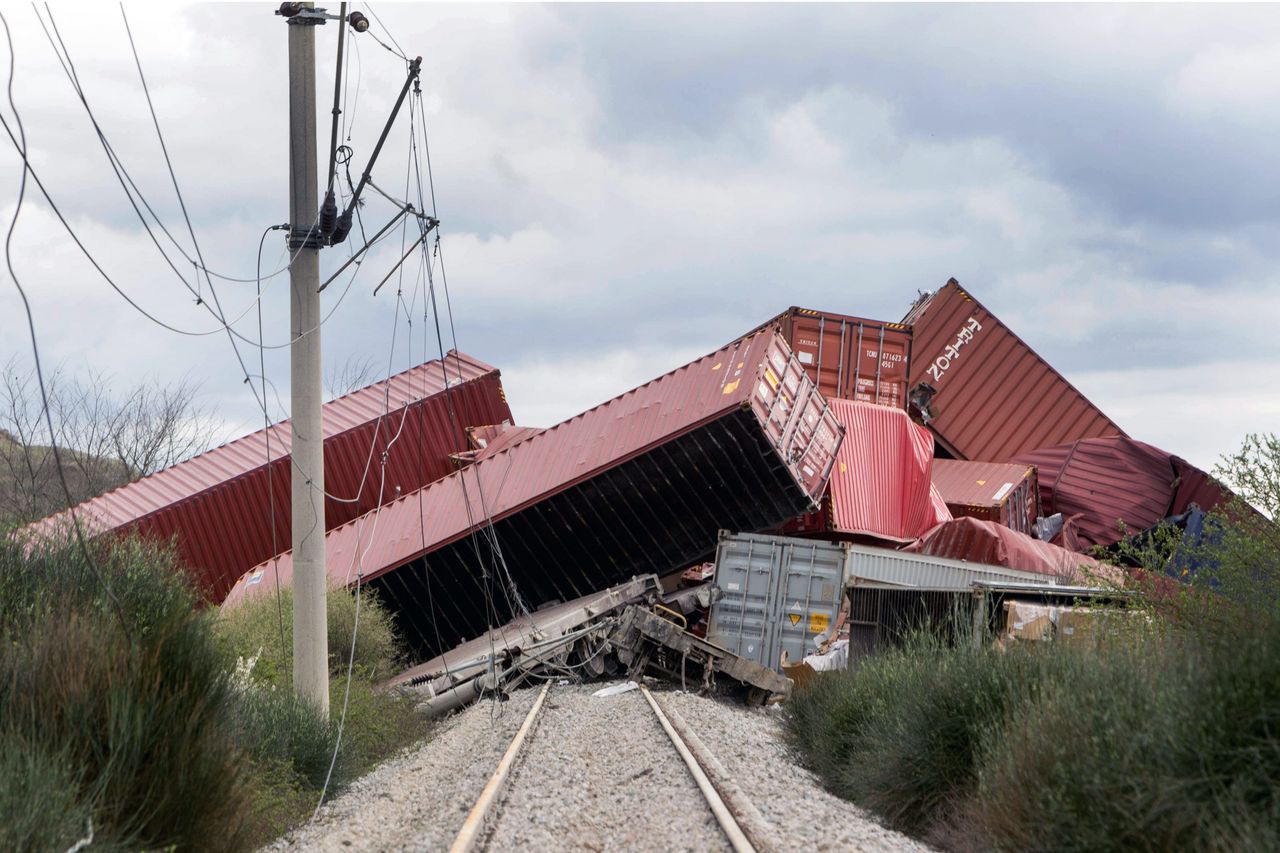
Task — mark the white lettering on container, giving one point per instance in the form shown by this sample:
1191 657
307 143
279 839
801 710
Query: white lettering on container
952 352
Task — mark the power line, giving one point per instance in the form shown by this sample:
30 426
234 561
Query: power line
35 350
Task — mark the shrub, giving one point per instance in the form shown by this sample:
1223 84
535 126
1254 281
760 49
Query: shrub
136 706
254 630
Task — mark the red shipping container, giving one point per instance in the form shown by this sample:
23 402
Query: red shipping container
640 484
1003 492
851 358
228 509
986 394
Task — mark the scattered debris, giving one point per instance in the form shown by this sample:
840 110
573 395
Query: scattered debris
616 690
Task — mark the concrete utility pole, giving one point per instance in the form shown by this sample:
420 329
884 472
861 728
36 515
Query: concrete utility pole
310 617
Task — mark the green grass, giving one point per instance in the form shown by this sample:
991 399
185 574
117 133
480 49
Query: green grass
1150 740
125 711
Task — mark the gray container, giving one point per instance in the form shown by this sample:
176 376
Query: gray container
779 594
884 566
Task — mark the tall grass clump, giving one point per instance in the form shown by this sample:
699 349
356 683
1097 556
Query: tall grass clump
902 732
1153 738
378 722
146 718
1167 745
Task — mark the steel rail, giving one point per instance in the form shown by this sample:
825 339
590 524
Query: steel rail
728 823
469 835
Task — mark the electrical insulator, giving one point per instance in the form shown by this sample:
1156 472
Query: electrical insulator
341 230
358 22
328 214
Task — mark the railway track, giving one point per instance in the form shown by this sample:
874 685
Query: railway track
729 819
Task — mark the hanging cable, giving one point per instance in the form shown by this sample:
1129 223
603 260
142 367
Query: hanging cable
94 568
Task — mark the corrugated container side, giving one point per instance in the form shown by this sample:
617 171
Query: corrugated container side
639 484
882 565
851 358
778 593
229 509
994 396
881 486
1112 486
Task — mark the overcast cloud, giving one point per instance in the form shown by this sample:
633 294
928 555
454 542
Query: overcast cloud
624 188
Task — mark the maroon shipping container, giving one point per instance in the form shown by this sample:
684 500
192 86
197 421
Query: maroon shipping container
738 439
986 394
1113 487
850 358
1003 492
229 508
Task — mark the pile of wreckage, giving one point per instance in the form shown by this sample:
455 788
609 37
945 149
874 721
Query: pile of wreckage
797 498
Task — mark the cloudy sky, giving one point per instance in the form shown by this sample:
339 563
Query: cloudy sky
623 188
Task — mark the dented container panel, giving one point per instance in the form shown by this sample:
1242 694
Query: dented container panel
779 593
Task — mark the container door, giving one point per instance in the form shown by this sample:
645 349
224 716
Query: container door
746 572
808 602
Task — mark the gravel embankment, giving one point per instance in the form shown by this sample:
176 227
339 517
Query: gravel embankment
419 800
600 774
749 743
595 774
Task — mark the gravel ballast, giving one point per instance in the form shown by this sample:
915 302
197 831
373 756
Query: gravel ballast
419 800
600 774
749 743
594 774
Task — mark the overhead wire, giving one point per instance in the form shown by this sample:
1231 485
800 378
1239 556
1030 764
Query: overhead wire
92 564
266 431
130 186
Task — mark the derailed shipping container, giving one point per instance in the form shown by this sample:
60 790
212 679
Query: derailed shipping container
777 594
850 358
984 392
228 509
639 484
1003 492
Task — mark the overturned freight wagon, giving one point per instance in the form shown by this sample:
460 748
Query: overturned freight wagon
228 509
639 484
985 393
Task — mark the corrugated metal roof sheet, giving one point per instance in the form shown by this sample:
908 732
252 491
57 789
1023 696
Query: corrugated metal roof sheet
904 568
641 483
994 396
986 542
219 504
1118 486
882 484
